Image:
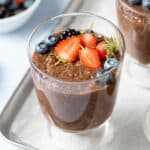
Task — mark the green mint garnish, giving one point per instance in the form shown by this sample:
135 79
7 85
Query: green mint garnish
112 47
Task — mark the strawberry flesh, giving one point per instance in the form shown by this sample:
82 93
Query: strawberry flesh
88 40
89 57
68 49
101 50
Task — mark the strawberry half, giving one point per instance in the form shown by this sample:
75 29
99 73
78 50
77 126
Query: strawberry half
88 40
89 57
68 49
20 2
101 50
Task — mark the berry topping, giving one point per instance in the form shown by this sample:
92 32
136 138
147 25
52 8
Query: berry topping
146 3
42 48
52 40
20 2
89 57
110 63
68 49
105 79
65 33
102 51
5 2
135 2
68 33
88 39
28 3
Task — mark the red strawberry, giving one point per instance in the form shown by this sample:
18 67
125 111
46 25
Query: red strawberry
89 57
20 2
101 50
68 49
88 39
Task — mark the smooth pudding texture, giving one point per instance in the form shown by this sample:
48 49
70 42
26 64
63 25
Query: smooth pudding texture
134 22
81 103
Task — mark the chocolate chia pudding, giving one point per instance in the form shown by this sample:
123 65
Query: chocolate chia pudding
134 22
76 74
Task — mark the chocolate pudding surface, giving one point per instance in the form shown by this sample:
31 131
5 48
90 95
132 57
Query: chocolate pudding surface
68 71
134 22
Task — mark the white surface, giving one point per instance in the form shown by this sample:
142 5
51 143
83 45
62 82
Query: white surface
16 21
132 100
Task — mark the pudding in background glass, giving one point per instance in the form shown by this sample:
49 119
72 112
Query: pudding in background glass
134 22
77 93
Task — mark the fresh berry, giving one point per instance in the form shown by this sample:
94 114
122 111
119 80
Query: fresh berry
89 57
101 50
5 2
62 37
65 33
146 3
28 3
20 2
135 2
104 78
3 11
72 31
68 49
52 40
88 40
110 63
42 48
68 33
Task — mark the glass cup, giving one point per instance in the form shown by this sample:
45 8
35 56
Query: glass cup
78 113
134 22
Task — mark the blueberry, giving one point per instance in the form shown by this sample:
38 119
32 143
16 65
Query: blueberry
52 40
65 34
28 3
73 32
5 2
146 3
105 78
62 37
42 48
135 2
110 63
3 11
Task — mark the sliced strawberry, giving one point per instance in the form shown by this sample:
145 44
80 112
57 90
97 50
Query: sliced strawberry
101 50
89 57
88 39
68 49
20 2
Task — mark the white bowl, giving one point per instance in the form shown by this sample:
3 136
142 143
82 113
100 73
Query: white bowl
12 23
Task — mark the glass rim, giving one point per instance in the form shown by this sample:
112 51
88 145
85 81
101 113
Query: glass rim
70 15
133 10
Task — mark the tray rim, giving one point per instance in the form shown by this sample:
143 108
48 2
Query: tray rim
2 136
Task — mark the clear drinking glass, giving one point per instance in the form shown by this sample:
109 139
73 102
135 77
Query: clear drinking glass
78 113
134 22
